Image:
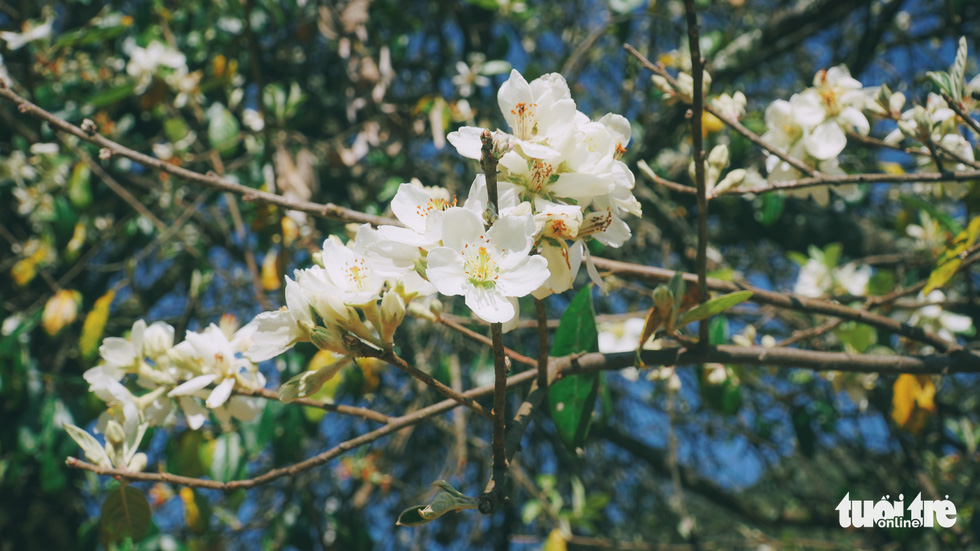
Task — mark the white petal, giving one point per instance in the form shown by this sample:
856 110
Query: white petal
524 278
516 90
220 393
408 206
536 150
193 385
856 119
118 352
193 412
489 304
460 227
445 271
275 333
513 234
580 185
808 108
244 408
826 141
467 141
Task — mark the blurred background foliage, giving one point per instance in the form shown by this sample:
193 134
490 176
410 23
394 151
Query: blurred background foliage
341 101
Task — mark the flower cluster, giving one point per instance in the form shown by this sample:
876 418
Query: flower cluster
811 126
565 167
208 366
351 297
820 274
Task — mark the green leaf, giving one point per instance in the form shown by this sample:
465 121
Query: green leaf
226 456
79 191
223 129
951 259
572 398
448 499
772 209
714 306
718 331
857 337
112 95
941 80
125 514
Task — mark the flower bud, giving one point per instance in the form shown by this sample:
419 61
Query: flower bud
329 338
392 314
137 463
114 433
158 339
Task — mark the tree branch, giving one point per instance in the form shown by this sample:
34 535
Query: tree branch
210 180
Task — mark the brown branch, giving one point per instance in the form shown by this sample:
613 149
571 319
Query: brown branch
864 178
210 180
958 109
697 111
961 362
493 494
354 411
543 347
786 300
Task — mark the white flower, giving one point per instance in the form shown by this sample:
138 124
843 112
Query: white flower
219 363
491 269
123 355
932 316
144 62
470 75
16 41
279 330
534 111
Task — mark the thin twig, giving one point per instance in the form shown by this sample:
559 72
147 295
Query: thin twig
210 180
474 336
734 124
786 300
395 360
354 411
493 494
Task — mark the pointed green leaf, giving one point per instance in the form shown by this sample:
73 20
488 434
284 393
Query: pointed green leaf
714 306
448 499
941 80
572 398
958 70
933 210
125 514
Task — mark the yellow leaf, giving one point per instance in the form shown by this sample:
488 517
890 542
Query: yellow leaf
196 521
25 269
710 124
555 542
908 392
951 258
895 169
290 231
60 310
270 271
94 325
